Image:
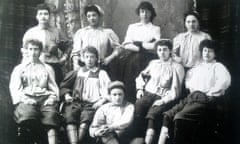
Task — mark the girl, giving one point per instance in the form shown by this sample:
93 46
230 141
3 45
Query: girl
112 120
186 44
84 91
104 40
139 41
157 87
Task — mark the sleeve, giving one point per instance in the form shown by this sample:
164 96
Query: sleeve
52 85
189 79
174 92
67 84
114 42
126 119
177 44
98 120
140 82
157 33
207 36
129 38
15 85
222 80
77 44
104 82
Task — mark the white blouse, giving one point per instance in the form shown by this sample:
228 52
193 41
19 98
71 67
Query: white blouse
210 78
103 39
142 32
165 79
33 79
118 117
187 46
49 37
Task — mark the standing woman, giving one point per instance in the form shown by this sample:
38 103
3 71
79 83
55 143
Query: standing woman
140 40
103 39
186 44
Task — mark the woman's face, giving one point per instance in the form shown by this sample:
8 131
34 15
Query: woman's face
208 55
33 52
93 18
163 52
90 59
191 23
117 96
145 15
43 16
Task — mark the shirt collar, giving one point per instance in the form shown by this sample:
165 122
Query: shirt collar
85 69
27 62
89 28
142 24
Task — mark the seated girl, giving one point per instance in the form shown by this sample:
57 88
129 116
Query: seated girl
83 91
111 121
207 83
157 88
35 94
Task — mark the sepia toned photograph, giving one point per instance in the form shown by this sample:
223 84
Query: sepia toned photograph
119 71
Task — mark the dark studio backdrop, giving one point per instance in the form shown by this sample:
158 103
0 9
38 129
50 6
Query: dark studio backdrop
220 18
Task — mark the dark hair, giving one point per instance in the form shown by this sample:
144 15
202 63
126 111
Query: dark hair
116 84
193 13
34 42
164 42
92 50
92 8
210 44
43 6
147 6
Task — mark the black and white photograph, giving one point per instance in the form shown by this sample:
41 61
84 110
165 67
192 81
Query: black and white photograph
119 71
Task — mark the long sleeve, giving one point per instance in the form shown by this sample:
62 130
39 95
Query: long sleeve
98 121
104 82
222 81
114 41
126 118
52 85
15 85
77 43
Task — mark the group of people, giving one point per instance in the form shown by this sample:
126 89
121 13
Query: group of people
117 92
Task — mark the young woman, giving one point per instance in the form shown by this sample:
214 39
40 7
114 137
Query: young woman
139 41
207 83
83 91
103 39
158 85
112 120
35 93
186 44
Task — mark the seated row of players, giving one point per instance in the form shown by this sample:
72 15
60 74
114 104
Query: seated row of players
36 96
